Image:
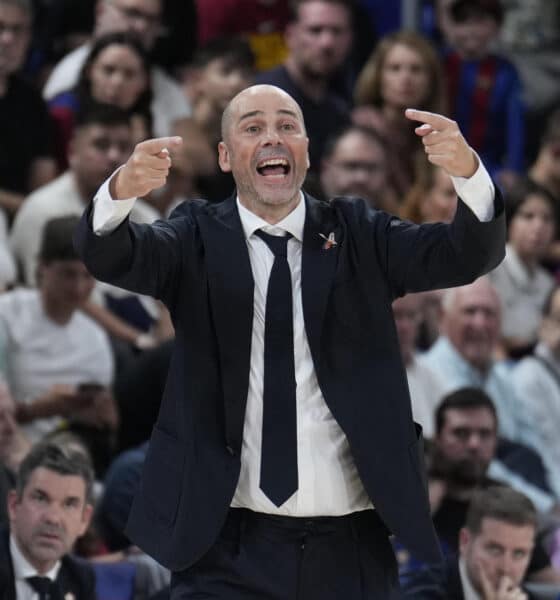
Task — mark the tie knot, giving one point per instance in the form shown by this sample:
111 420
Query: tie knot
42 585
278 244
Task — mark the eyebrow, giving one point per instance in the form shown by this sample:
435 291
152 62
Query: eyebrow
254 113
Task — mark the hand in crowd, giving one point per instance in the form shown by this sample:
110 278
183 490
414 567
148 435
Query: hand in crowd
95 407
13 444
444 143
506 589
146 169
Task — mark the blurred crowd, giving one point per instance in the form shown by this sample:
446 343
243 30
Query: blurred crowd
83 364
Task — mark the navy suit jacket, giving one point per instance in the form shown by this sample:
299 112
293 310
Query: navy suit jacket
197 262
75 576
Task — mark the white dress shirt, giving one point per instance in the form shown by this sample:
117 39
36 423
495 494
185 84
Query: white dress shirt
328 481
23 569
468 589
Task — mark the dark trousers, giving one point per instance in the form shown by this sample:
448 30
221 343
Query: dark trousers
265 557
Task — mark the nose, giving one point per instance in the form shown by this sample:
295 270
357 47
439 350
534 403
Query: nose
271 136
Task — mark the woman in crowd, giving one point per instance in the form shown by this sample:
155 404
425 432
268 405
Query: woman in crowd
404 71
116 72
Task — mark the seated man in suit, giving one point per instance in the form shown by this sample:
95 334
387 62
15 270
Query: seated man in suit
49 509
495 547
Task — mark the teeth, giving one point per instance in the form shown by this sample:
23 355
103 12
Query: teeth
273 162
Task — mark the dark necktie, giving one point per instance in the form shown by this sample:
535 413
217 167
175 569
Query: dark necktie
279 472
44 586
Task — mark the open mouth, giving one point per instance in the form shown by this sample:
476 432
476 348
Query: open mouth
273 167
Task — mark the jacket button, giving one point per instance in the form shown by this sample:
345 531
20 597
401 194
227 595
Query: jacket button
230 450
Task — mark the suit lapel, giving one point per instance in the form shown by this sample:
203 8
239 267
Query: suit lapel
318 268
231 287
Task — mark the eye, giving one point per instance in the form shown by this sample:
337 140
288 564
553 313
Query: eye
287 126
252 129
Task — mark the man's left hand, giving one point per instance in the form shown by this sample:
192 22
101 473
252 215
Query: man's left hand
444 143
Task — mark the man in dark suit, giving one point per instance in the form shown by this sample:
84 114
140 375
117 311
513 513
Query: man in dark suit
48 510
280 463
495 547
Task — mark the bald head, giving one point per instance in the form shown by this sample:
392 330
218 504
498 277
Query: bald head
471 321
255 94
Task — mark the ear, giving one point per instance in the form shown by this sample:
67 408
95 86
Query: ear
223 157
11 503
289 34
86 518
464 539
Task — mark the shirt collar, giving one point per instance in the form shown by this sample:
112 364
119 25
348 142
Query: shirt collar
468 589
23 568
292 223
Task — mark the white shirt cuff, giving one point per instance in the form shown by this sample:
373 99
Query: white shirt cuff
108 213
477 192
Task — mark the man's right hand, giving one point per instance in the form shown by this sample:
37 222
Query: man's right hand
506 589
145 170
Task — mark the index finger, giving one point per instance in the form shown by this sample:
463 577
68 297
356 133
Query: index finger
437 122
156 145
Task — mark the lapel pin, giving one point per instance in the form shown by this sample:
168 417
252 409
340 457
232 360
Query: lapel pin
329 241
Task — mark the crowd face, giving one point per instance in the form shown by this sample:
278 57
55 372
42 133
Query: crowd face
407 312
220 84
356 167
140 17
265 146
472 322
65 285
117 76
440 202
96 151
500 550
473 37
467 441
319 40
15 31
531 229
49 516
405 78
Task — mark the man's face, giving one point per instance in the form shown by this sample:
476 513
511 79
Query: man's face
66 284
500 549
356 167
407 312
467 442
472 38
140 17
219 84
319 40
265 147
48 518
472 323
15 31
96 151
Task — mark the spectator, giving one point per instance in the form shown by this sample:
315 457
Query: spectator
116 72
496 543
50 351
218 72
522 284
142 18
26 160
403 71
354 164
423 383
100 143
464 352
431 198
537 379
319 38
48 510
483 88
